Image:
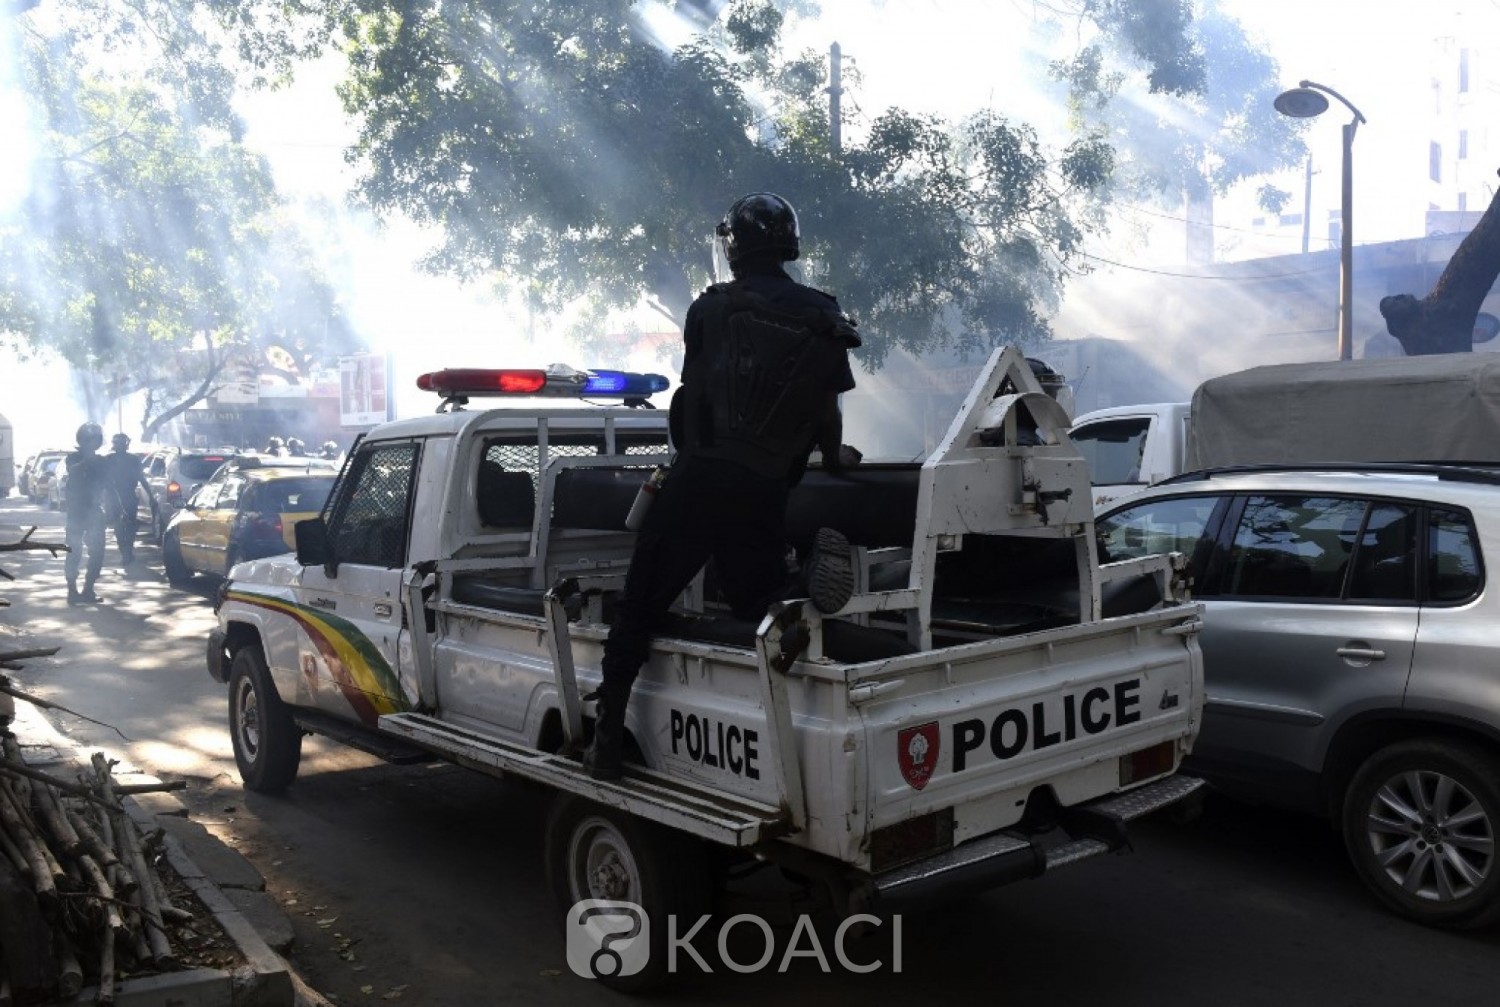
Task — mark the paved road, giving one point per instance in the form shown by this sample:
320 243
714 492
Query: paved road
424 882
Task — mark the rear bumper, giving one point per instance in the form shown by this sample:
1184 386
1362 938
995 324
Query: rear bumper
1093 828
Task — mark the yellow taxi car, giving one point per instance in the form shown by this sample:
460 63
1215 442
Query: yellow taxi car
247 510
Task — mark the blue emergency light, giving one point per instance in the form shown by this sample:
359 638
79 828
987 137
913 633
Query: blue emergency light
623 383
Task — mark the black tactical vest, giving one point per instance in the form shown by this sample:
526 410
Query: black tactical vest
755 392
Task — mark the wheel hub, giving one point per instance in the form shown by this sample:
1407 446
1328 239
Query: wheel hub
610 879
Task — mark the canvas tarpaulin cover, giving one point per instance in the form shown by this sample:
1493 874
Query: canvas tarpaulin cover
1444 407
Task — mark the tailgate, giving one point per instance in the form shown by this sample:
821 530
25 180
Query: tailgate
978 728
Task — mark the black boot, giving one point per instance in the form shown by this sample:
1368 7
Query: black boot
829 573
604 759
72 593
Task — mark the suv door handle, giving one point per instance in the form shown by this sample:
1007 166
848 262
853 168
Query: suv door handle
1361 653
327 604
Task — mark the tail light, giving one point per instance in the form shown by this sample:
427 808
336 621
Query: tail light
910 840
1158 760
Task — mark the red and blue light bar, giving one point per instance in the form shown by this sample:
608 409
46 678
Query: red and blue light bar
557 379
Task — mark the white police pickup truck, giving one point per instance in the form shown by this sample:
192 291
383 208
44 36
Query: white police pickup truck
990 705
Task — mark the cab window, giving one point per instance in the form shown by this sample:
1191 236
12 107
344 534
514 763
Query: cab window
370 519
1154 527
1113 449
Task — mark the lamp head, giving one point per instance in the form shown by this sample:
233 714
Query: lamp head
1301 103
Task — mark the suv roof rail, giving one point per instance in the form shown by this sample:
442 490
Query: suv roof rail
1487 473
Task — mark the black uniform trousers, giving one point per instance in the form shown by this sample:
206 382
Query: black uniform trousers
707 508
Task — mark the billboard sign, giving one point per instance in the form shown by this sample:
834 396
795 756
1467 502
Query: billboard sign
363 390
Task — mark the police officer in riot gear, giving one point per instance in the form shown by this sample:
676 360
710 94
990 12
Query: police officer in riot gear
275 447
123 475
87 484
329 450
766 359
295 448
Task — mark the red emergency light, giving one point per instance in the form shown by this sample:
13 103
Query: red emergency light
481 381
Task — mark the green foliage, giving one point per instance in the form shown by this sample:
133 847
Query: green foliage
1217 129
147 246
562 147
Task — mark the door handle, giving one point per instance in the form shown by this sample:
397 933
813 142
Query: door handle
1361 653
327 604
382 609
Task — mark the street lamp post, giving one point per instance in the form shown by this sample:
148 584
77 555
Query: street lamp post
1303 102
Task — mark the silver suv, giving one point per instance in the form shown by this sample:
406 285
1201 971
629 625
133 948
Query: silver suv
1351 660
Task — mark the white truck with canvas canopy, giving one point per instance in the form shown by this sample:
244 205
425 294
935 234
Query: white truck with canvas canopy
991 704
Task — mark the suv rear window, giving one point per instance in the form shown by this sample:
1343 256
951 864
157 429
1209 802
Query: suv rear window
1452 558
197 467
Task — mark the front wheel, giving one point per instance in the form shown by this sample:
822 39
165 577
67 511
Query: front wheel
595 852
1420 821
267 742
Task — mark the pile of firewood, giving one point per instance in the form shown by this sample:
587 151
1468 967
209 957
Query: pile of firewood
80 900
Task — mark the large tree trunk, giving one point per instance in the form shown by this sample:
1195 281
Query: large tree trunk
1443 321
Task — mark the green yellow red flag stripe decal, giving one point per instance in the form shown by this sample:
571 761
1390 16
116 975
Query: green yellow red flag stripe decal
362 674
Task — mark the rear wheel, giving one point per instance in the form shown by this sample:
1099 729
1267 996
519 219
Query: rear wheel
595 852
1420 822
172 563
267 743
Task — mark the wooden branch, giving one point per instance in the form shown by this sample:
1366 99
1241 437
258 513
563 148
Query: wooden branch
13 854
69 971
44 799
25 543
91 840
31 847
106 994
106 892
11 690
7 766
161 787
22 655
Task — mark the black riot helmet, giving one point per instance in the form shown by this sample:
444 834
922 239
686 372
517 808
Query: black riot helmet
760 222
90 437
120 442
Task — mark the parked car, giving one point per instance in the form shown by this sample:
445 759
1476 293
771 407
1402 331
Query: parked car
48 466
1350 659
174 474
247 510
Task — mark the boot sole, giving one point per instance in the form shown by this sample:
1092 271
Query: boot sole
830 571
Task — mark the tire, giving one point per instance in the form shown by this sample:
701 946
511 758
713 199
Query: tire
1421 819
267 743
172 564
596 852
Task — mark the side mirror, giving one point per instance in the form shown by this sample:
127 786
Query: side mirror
312 544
